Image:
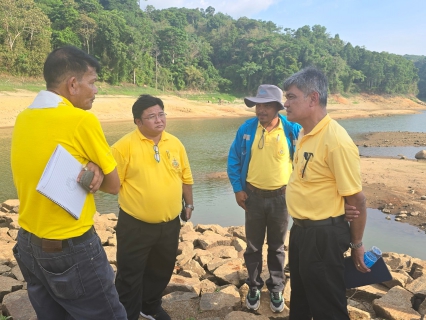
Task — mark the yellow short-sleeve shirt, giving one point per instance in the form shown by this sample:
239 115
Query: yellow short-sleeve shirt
270 164
151 191
36 134
326 169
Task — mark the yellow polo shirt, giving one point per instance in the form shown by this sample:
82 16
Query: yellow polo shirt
151 191
332 172
36 134
270 167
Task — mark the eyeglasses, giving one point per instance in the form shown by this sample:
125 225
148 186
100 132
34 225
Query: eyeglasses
157 153
261 142
154 117
307 156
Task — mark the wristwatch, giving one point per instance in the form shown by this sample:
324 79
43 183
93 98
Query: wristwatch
355 246
190 206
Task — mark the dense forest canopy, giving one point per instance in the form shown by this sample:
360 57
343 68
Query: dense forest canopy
194 49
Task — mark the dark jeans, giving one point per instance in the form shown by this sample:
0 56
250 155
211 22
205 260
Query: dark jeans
76 283
317 272
270 216
146 257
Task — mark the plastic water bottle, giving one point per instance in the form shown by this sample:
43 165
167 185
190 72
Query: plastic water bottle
371 256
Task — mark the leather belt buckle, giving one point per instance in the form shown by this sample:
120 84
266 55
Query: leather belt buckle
51 245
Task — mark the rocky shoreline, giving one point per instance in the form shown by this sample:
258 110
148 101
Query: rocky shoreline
208 282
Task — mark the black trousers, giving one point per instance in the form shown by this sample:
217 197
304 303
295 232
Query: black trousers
146 256
317 272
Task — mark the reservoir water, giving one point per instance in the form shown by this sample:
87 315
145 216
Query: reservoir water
207 142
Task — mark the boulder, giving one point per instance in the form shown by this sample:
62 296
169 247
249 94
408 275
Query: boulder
18 305
10 204
395 305
214 228
210 239
418 286
239 232
357 314
111 253
226 299
241 315
231 272
8 285
223 252
181 305
368 293
179 283
401 279
421 154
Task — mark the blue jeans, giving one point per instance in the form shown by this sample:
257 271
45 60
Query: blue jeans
265 216
75 283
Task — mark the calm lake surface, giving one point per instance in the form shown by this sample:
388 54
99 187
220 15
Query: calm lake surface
207 143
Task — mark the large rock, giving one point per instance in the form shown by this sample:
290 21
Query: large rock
231 272
111 253
226 298
421 154
400 278
368 293
210 239
418 268
203 257
418 286
357 314
104 235
398 261
18 305
239 232
195 267
396 305
212 227
179 283
10 204
16 271
8 285
223 252
181 305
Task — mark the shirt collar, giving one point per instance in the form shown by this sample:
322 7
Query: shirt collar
164 135
320 125
47 99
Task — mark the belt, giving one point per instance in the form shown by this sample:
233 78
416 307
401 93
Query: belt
306 223
266 193
48 245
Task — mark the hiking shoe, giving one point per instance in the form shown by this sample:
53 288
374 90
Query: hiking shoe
253 299
277 302
159 315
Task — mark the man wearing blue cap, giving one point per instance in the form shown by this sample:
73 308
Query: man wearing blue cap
259 167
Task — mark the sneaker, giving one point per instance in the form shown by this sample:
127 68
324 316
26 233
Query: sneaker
160 315
277 302
253 299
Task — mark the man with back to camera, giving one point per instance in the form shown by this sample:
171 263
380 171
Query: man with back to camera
259 166
326 174
61 258
154 173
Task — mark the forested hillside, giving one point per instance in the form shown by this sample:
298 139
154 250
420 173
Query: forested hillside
192 49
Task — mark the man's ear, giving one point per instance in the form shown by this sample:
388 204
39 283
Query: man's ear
72 85
138 122
314 96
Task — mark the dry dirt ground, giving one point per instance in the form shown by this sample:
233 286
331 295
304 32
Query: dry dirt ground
388 183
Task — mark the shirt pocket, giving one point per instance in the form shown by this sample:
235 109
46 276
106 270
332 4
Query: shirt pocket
280 147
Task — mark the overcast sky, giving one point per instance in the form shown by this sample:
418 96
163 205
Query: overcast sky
395 26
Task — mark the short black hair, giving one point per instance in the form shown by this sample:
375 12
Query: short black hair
144 102
67 60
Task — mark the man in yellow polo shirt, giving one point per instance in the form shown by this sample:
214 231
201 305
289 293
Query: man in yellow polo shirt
326 174
61 258
259 166
154 173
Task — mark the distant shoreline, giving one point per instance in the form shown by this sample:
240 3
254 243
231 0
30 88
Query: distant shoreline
118 108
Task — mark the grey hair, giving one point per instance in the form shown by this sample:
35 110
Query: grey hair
308 80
